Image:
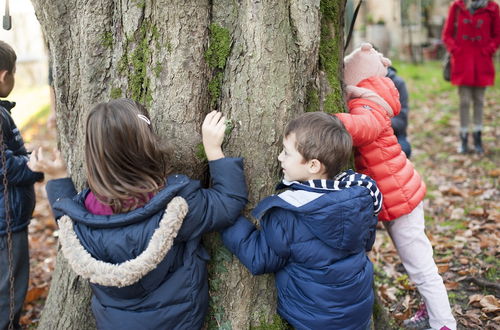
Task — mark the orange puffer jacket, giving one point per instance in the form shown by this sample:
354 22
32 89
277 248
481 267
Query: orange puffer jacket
378 153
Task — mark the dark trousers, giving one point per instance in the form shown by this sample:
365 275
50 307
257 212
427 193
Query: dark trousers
21 268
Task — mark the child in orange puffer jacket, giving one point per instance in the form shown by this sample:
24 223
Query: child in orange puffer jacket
372 101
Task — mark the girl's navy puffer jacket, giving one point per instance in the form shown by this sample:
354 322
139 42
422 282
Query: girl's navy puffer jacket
174 295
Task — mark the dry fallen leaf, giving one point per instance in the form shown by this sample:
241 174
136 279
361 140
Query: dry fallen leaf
453 191
388 293
478 212
490 304
35 293
463 261
443 260
475 298
494 173
451 285
443 268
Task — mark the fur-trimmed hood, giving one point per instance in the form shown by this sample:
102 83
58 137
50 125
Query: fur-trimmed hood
107 249
130 271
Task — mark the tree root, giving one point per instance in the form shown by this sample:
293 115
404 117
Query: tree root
484 283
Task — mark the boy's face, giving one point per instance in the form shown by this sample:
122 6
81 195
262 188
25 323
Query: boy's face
6 82
295 168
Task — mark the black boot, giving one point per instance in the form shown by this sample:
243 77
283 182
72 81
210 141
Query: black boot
478 146
463 148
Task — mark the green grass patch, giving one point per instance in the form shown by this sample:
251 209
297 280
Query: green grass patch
429 220
423 80
487 164
40 115
445 119
492 274
454 225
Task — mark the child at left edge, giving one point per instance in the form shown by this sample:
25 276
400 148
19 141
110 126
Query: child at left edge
314 235
21 199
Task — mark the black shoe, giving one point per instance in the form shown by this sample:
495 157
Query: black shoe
463 148
478 146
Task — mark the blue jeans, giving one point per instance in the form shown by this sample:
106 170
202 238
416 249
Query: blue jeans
21 268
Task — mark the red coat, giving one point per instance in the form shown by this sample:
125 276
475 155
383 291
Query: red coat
378 153
472 43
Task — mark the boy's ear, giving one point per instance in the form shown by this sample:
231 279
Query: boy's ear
315 167
3 73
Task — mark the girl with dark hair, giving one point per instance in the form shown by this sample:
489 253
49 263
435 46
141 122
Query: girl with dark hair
135 232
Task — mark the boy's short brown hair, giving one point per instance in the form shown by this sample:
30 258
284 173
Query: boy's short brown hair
323 137
7 57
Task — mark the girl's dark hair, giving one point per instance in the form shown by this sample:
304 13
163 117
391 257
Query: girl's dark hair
7 57
323 137
125 161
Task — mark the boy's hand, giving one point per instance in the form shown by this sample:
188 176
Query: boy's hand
55 167
212 132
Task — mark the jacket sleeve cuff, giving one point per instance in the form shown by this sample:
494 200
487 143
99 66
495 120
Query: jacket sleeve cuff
230 173
233 235
221 165
58 189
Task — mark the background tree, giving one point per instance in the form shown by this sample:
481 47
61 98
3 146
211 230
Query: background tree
259 62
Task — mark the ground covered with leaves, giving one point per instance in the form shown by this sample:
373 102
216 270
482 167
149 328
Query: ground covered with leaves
462 209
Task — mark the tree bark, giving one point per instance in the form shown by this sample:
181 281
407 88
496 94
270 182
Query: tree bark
259 62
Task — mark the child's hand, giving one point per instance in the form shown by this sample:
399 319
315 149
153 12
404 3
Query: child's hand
212 132
55 167
354 92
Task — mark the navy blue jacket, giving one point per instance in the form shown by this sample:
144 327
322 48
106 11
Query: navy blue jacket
314 237
175 294
400 122
20 178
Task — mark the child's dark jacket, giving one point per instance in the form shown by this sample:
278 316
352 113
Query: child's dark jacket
399 122
174 295
20 178
315 240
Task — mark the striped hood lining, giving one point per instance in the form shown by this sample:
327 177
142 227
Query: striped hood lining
343 180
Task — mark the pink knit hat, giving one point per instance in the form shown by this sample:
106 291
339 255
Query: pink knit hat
364 62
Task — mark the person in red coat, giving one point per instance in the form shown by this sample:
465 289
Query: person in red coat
472 35
372 101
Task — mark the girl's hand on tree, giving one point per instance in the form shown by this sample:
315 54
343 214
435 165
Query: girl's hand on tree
212 132
54 167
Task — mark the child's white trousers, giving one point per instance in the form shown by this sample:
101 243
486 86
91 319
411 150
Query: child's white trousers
415 250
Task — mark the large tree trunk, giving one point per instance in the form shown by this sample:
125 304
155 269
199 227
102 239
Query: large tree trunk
259 62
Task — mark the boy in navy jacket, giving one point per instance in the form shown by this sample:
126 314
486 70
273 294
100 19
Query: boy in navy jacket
314 235
21 198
